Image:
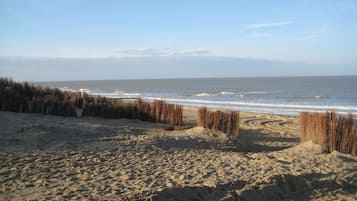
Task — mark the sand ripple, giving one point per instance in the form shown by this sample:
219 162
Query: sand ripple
58 158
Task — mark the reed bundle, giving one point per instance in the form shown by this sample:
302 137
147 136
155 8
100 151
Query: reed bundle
161 112
331 131
225 121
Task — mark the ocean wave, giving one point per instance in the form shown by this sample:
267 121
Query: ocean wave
281 111
67 89
260 105
311 97
230 93
116 94
254 92
203 94
130 94
86 90
227 93
118 91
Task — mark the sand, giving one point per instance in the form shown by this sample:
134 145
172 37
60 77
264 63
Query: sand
58 158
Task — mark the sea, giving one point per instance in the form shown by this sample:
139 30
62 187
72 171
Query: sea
271 95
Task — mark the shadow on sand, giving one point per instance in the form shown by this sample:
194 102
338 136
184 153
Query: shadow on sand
277 187
246 141
258 141
197 193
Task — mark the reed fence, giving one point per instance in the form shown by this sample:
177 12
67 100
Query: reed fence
331 131
27 98
225 121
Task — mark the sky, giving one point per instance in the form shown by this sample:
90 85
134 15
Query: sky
91 40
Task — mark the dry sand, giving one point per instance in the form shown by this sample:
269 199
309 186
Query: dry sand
57 158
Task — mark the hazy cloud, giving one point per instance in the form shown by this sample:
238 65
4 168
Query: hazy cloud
54 69
266 25
139 52
193 52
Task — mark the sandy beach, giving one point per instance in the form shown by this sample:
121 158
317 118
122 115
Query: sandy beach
178 100
66 158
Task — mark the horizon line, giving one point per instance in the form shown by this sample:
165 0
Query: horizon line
187 78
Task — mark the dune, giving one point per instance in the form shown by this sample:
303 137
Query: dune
66 158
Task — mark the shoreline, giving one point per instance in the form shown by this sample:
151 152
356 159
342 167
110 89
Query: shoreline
277 96
276 108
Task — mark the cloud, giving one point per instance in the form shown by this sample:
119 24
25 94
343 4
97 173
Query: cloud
139 52
193 52
42 69
267 25
56 69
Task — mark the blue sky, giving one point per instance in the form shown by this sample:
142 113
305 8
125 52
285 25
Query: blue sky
319 34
